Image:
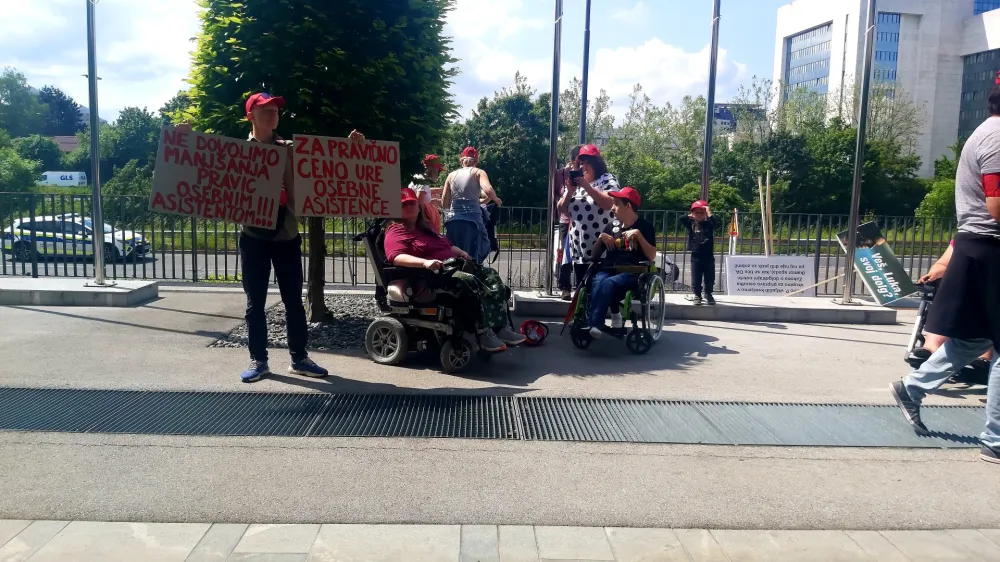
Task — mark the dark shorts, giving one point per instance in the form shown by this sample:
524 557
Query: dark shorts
967 305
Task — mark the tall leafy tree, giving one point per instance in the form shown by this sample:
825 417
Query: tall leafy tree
63 117
40 149
133 136
21 113
175 108
380 67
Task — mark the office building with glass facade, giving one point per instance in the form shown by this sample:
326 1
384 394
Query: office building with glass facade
941 54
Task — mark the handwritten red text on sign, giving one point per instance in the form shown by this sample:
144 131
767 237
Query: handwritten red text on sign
213 177
338 177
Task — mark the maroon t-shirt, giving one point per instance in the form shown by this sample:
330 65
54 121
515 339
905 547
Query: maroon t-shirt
417 243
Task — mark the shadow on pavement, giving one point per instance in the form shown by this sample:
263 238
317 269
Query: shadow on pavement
202 333
335 384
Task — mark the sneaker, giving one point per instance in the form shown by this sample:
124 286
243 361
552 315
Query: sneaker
510 337
307 367
911 410
596 333
697 300
488 341
990 454
566 295
255 371
710 299
616 320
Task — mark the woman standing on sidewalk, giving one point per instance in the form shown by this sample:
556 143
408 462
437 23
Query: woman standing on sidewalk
465 227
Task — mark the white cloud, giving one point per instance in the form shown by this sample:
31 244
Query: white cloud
492 20
143 48
635 15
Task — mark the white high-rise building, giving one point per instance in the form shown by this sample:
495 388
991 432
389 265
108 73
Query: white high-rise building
943 53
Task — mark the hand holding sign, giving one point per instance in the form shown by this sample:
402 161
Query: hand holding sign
352 177
215 177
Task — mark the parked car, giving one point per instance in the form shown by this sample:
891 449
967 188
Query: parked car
69 235
63 179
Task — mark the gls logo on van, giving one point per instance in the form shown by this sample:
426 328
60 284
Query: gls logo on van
65 178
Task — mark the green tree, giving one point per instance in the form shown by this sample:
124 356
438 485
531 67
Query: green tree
21 113
722 198
939 201
133 136
946 168
130 187
381 67
5 139
600 121
175 109
17 175
511 133
39 149
63 117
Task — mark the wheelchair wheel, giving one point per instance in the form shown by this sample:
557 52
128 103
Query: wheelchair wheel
386 341
654 309
456 354
638 341
581 339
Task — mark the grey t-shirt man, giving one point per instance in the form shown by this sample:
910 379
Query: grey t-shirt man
980 156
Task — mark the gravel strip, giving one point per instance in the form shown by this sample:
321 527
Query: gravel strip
352 315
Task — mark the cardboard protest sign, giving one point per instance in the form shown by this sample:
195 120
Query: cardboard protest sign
337 177
880 269
769 275
215 177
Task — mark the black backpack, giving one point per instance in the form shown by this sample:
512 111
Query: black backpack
491 216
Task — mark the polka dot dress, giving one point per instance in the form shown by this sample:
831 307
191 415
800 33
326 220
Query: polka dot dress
588 219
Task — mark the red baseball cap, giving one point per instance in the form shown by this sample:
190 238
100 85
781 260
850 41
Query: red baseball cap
408 195
589 150
264 98
628 194
699 204
470 152
432 161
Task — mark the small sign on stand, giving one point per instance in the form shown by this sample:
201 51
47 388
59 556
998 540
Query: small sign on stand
771 276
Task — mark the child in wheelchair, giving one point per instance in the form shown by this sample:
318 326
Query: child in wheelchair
624 245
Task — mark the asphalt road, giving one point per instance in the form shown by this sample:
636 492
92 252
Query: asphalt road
520 268
163 345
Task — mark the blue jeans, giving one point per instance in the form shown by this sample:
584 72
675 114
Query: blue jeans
607 288
946 361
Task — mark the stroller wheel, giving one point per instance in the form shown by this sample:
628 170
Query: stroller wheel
581 339
456 354
386 341
638 341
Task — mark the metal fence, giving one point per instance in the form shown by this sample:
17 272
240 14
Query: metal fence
185 249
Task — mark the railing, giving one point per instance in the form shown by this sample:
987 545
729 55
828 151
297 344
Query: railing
184 249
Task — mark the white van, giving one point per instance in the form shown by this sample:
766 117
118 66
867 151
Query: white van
63 179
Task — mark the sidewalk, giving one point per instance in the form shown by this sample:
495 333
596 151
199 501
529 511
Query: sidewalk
80 541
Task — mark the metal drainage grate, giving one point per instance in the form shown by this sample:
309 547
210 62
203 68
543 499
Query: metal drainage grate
479 417
741 423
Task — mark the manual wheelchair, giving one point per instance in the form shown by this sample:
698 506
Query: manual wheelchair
644 306
424 311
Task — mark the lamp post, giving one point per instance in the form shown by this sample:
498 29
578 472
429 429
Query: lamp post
713 66
553 146
96 218
586 75
859 156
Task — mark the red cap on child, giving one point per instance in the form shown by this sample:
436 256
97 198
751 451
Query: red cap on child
699 204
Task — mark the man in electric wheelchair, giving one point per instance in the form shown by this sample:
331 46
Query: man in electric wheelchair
434 294
623 269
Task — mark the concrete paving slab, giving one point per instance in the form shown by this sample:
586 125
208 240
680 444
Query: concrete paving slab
83 541
268 557
733 309
218 543
277 539
28 541
573 543
61 291
646 545
10 529
700 545
385 543
789 546
876 546
939 546
480 544
517 543
992 534
978 543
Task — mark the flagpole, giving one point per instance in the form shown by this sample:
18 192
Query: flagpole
553 148
586 74
96 218
713 66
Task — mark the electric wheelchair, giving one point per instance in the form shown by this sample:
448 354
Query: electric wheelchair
424 311
643 306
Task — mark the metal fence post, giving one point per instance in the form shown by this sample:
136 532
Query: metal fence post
194 250
819 241
34 239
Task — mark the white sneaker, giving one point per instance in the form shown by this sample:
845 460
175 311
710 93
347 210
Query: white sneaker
510 337
596 333
616 320
488 341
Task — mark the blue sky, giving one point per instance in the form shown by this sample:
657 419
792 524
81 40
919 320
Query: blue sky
143 46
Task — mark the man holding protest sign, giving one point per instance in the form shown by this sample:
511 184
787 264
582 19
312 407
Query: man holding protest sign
279 246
